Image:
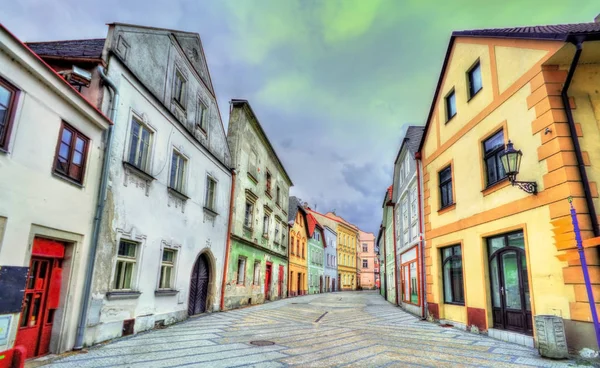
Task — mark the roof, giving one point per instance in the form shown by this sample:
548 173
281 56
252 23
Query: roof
313 225
87 48
412 140
559 32
240 102
293 206
339 219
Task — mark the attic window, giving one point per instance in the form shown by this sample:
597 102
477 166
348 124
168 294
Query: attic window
474 75
179 88
450 105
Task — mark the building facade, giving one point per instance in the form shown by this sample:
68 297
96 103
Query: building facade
298 237
347 240
391 280
367 260
258 258
491 258
330 263
408 224
316 256
51 154
164 228
382 262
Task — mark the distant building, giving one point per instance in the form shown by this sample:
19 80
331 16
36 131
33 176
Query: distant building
258 258
316 255
347 241
389 249
367 260
330 262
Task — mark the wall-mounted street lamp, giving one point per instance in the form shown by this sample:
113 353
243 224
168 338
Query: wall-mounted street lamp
511 162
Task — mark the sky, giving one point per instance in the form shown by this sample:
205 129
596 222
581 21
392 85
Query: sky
334 83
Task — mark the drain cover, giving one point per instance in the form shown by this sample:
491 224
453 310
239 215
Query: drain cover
262 343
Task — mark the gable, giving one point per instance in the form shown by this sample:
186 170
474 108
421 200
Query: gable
513 62
192 47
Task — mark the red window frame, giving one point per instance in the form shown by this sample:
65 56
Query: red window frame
403 281
10 113
65 166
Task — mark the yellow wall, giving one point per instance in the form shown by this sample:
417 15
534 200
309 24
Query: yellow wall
346 247
298 260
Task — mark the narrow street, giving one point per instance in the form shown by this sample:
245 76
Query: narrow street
325 330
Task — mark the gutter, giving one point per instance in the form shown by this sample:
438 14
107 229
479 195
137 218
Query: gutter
226 262
580 163
421 241
87 285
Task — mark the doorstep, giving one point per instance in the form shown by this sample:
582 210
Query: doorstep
513 337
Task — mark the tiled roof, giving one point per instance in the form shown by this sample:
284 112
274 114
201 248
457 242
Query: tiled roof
312 224
293 205
550 32
413 136
89 48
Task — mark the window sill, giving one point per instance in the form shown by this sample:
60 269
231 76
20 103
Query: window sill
475 95
252 178
268 194
210 212
137 171
165 292
448 208
178 194
179 104
457 304
67 179
502 183
123 294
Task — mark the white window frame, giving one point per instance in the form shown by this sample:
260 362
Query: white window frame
147 167
181 180
173 267
211 206
201 116
135 260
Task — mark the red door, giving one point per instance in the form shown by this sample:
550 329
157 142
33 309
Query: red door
267 281
41 299
281 271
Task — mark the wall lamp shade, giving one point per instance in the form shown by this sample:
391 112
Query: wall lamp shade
511 162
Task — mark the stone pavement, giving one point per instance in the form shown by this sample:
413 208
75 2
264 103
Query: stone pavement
350 329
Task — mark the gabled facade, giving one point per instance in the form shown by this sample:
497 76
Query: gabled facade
491 261
347 241
258 258
389 261
316 256
367 260
298 246
164 227
330 262
408 224
51 154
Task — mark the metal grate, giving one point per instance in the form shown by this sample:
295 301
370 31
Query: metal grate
262 343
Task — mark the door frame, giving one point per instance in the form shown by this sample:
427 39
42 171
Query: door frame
210 261
267 286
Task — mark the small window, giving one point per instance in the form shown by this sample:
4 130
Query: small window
493 147
269 182
179 89
139 145
365 247
365 263
248 214
8 102
71 155
201 120
256 274
266 225
211 190
276 239
450 105
126 260
166 269
292 245
474 76
453 275
241 271
278 197
446 187
178 166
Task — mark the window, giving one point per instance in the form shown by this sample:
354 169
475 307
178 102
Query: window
126 259
8 102
166 269
139 145
283 230
365 263
492 148
409 277
201 116
450 105
252 170
71 155
211 188
178 165
406 164
268 182
446 187
241 270
297 247
365 247
266 225
276 239
248 214
453 275
256 274
292 245
278 197
474 76
405 219
303 246
179 88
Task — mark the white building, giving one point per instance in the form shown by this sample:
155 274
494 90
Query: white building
164 230
51 152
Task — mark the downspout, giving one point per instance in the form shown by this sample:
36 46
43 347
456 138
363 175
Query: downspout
580 163
384 266
395 257
87 285
226 262
421 240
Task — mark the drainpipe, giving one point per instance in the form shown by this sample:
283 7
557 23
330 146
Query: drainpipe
580 164
87 285
226 262
384 265
421 240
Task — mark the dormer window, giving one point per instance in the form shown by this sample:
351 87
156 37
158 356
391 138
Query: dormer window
179 88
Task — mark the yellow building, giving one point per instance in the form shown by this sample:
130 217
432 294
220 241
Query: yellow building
347 235
298 249
490 258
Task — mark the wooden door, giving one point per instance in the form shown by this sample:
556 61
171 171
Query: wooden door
198 287
267 281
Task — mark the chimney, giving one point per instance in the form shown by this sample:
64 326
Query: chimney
597 19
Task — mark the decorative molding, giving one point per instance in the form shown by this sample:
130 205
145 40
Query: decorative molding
176 199
137 177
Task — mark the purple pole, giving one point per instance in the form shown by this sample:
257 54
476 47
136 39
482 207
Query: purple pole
586 275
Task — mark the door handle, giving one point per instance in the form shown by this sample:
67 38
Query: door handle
502 290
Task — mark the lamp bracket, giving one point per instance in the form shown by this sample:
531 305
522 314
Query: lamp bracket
527 186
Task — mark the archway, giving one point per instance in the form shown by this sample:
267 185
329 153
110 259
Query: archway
199 285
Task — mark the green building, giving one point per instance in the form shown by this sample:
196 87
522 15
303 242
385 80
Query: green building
257 265
316 255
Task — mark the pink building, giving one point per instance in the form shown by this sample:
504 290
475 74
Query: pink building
368 259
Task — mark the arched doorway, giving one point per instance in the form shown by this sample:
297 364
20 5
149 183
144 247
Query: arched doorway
199 286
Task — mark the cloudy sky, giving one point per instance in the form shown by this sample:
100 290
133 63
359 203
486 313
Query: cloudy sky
334 83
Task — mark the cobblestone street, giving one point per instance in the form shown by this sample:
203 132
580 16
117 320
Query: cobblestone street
335 329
